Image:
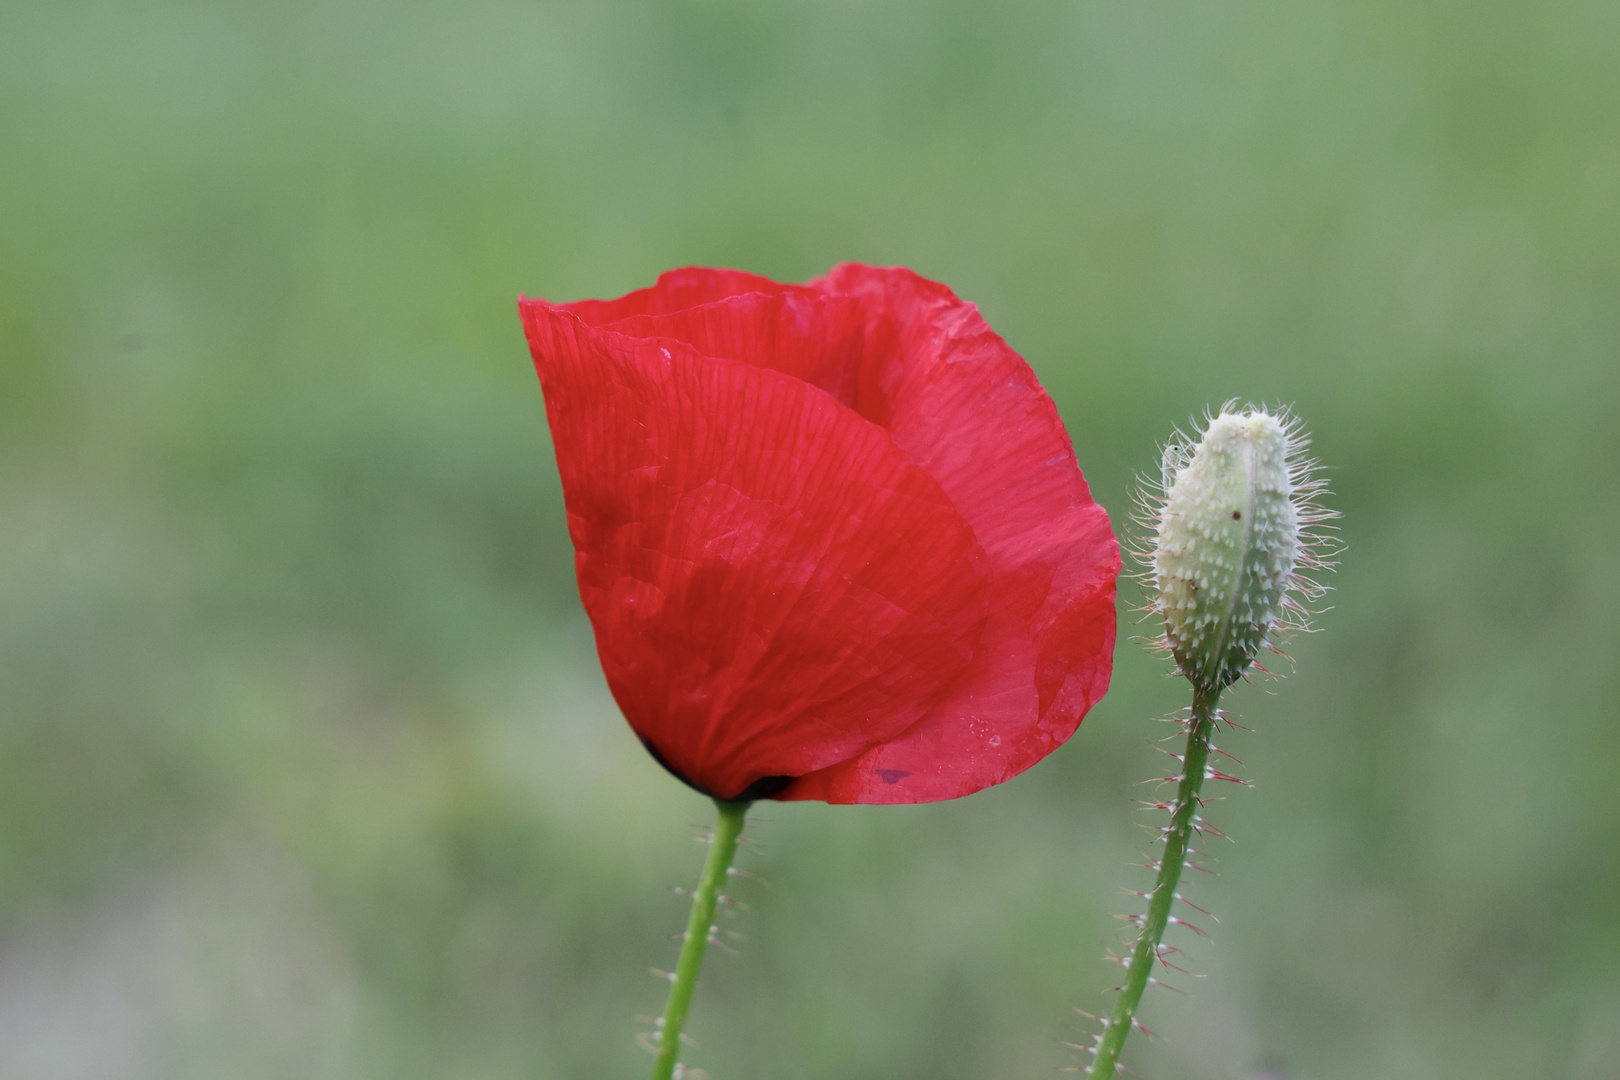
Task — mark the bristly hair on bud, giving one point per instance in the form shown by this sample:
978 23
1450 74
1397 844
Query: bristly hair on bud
1238 528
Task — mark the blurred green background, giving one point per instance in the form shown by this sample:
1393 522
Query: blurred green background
306 766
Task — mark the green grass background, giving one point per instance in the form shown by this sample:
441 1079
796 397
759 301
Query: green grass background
306 766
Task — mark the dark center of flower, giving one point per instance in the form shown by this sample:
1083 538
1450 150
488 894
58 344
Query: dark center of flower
763 788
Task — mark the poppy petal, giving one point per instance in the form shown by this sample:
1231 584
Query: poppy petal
816 338
969 410
736 534
676 290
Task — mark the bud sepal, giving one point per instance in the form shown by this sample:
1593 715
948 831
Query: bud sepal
1237 529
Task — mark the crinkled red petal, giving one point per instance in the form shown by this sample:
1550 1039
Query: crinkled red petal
735 530
729 379
971 412
676 291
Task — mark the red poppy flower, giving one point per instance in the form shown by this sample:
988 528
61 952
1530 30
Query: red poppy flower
832 537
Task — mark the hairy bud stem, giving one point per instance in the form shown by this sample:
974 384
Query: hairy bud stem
1177 840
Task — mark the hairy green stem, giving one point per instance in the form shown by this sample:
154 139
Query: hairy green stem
721 851
1177 839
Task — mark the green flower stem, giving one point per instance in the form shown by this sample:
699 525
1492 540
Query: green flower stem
721 851
1177 839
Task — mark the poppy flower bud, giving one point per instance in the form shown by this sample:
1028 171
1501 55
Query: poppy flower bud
1231 539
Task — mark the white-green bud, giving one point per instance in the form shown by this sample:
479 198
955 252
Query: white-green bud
1231 540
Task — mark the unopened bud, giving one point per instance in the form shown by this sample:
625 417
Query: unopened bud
1231 537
